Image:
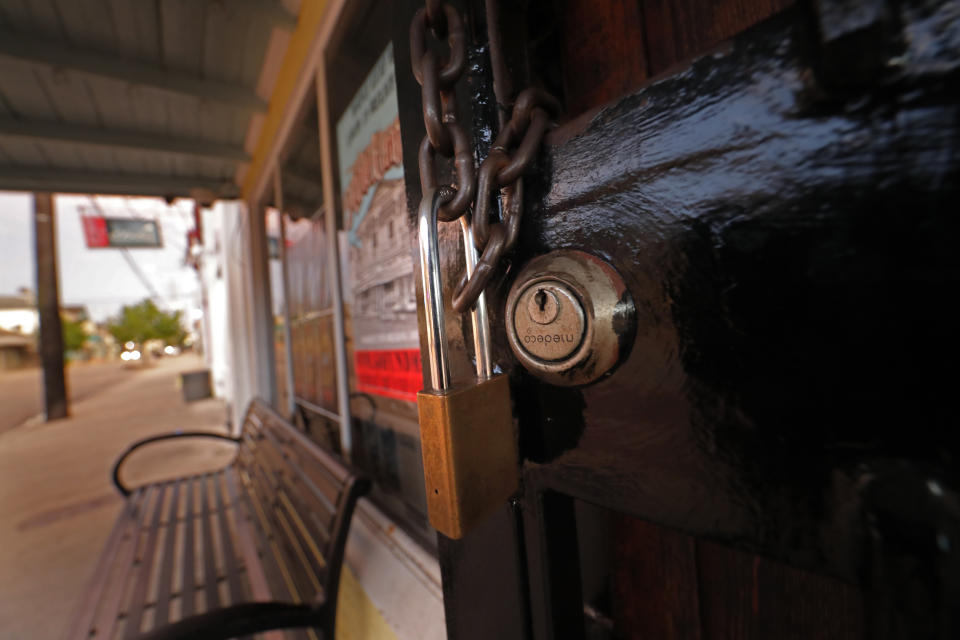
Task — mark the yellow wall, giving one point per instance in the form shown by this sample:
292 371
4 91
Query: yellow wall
357 617
311 14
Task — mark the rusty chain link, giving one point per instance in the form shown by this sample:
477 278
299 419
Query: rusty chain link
444 134
513 150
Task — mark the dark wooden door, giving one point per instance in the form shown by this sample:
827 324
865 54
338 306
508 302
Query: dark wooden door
776 182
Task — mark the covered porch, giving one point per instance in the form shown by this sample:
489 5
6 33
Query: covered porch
224 104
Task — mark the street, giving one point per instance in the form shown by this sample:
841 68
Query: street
57 504
21 392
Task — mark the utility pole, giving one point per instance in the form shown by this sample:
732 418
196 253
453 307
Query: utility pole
48 307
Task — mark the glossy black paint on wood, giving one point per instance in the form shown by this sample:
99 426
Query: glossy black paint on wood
556 597
785 222
789 243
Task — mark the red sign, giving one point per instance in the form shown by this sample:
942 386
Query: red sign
95 231
121 233
392 373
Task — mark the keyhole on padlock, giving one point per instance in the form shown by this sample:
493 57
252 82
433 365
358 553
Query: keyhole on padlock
541 299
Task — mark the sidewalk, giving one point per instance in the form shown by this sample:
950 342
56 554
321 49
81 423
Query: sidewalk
57 504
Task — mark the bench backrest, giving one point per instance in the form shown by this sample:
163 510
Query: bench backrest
301 499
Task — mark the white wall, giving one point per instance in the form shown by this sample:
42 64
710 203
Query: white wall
235 362
215 317
20 320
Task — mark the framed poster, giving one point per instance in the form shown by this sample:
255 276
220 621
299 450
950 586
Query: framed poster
379 267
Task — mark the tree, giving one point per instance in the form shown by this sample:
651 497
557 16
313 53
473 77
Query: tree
145 321
74 335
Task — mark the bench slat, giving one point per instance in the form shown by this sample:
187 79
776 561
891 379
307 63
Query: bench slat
253 569
309 530
162 612
325 500
324 459
282 535
210 590
141 580
188 591
226 544
81 625
300 459
299 557
269 544
267 530
106 619
314 502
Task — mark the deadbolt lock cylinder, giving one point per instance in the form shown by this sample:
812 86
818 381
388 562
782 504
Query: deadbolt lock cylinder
549 320
570 318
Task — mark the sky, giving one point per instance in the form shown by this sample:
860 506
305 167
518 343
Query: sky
101 279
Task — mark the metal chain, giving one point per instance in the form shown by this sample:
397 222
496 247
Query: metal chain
444 134
532 115
513 150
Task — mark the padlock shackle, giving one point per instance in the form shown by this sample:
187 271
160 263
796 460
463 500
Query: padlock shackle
478 315
439 365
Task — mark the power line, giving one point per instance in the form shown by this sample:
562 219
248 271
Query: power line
139 273
130 260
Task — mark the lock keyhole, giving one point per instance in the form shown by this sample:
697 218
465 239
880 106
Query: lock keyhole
541 298
543 305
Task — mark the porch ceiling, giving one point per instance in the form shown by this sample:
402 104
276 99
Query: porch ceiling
154 97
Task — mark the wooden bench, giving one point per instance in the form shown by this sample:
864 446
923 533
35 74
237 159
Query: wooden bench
255 546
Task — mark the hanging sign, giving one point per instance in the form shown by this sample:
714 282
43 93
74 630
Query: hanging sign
102 233
380 285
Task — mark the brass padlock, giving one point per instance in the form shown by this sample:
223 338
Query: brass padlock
466 433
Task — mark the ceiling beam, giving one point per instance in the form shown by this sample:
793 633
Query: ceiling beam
56 54
68 181
93 136
271 11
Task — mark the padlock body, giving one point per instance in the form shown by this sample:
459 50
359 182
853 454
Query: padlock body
469 453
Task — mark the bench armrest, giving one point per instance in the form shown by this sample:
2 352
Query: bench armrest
123 489
240 620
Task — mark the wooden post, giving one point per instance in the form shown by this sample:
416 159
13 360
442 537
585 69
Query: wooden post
48 307
258 273
285 288
327 141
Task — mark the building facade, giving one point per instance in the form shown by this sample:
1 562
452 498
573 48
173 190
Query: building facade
741 211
